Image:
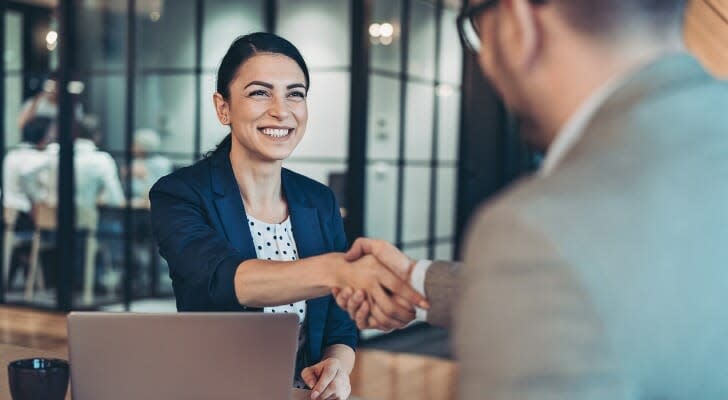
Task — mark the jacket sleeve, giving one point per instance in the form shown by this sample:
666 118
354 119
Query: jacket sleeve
201 261
340 329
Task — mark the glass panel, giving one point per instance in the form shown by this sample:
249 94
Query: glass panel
320 172
381 201
106 99
416 203
13 57
224 21
418 140
444 252
383 118
166 104
417 253
13 102
446 194
386 39
422 40
448 123
166 34
319 28
102 42
328 117
451 53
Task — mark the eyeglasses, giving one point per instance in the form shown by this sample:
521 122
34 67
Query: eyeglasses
468 23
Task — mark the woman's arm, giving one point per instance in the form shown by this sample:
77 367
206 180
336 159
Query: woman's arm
262 283
210 273
344 354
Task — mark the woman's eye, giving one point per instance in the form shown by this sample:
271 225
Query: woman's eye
298 94
258 93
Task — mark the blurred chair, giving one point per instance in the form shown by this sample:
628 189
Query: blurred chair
10 216
46 220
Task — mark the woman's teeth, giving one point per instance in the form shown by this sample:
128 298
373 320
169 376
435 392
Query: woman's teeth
276 132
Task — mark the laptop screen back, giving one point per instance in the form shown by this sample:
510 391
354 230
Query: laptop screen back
122 356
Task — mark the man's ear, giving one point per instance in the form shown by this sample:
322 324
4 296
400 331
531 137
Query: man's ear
528 31
222 108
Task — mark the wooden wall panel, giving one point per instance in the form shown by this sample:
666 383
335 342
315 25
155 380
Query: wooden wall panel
706 33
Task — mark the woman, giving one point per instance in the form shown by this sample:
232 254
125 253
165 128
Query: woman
240 232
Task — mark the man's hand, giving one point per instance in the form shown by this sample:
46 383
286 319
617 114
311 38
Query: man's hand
380 284
327 380
362 306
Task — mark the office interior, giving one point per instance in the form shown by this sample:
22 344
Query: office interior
392 128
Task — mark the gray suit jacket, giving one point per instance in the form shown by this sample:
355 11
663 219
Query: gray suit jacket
608 279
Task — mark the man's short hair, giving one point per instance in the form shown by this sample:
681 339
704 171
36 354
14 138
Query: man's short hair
605 17
87 127
36 130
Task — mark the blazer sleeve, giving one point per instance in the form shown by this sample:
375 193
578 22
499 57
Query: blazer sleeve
526 327
441 289
340 329
201 261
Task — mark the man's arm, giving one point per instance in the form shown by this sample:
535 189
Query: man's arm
441 290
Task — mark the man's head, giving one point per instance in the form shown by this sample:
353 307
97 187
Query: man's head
38 131
546 56
88 128
146 142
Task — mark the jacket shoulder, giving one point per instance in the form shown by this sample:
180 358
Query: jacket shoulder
314 191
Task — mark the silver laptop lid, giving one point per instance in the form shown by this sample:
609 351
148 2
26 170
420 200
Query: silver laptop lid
122 356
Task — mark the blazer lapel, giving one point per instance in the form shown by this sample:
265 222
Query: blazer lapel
310 242
229 206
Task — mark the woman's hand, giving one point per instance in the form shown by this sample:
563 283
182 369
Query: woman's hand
327 380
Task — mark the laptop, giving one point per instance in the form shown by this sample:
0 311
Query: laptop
221 356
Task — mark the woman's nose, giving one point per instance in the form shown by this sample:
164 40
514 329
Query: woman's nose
279 109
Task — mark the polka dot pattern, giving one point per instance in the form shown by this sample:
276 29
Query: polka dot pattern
270 240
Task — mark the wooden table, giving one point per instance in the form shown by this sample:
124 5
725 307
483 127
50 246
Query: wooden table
377 375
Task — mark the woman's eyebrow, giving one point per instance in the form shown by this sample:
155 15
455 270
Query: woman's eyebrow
259 83
296 85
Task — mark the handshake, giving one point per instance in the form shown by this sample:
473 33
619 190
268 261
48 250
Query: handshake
373 286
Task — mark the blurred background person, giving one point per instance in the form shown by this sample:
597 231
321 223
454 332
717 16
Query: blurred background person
19 161
148 165
96 173
45 102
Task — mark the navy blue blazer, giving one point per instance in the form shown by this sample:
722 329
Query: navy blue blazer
200 225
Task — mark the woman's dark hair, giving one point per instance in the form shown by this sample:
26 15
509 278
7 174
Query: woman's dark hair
244 48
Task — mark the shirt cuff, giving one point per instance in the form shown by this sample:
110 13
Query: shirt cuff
417 280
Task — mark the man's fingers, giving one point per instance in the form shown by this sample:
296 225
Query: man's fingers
382 300
400 288
355 302
343 296
362 315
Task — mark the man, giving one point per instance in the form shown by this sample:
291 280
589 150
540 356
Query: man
148 165
604 275
96 174
26 156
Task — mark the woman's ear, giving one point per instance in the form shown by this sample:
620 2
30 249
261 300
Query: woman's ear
222 108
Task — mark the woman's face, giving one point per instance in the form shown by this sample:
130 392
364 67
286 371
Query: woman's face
267 110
